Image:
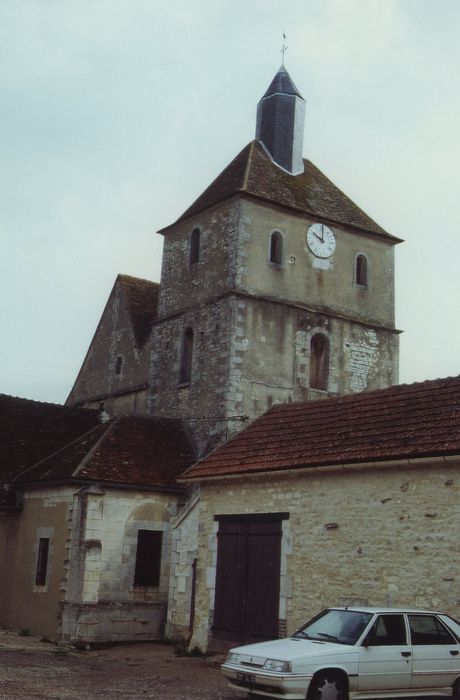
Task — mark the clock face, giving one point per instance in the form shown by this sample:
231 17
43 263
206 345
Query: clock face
321 240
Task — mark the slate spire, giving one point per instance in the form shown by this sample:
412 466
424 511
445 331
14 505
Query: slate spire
280 122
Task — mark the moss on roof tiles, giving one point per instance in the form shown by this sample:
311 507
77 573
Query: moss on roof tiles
401 422
142 305
252 173
128 450
32 430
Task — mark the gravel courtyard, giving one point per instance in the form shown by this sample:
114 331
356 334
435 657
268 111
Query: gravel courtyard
32 669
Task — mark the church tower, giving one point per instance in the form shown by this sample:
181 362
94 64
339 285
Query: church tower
275 287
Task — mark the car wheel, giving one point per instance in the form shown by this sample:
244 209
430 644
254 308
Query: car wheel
456 690
327 686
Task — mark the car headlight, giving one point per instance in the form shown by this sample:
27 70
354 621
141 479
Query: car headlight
233 658
276 665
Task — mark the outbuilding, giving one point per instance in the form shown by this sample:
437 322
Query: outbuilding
349 500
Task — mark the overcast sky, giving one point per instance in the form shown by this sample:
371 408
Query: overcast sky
116 114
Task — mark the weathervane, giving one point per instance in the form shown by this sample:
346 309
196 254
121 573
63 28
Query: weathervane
284 49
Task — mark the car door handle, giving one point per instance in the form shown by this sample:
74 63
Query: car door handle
454 652
406 653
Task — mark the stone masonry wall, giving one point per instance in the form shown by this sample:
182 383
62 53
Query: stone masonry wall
89 593
321 284
23 604
184 285
200 403
184 550
377 536
253 320
98 381
270 356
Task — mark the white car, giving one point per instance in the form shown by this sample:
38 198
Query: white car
354 653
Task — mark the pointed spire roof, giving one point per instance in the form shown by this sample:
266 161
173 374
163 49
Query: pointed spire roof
282 83
280 122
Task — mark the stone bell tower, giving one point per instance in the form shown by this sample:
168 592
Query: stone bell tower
275 287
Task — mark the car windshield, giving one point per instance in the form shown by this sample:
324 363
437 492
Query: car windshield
339 626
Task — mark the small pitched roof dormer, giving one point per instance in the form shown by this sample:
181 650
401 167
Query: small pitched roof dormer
280 122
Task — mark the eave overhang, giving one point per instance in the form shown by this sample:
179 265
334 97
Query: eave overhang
302 470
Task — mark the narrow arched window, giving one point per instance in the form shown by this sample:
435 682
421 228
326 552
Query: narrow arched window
185 371
361 270
195 246
319 362
118 365
276 248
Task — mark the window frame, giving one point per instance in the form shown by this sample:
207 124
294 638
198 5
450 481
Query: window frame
194 255
42 567
372 639
319 379
186 357
275 235
147 563
447 635
118 365
361 271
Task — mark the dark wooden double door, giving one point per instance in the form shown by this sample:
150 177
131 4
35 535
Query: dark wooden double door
246 607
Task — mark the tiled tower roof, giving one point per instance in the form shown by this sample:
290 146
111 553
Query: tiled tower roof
282 82
253 174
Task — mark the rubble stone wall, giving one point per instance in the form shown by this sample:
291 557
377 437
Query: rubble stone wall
378 536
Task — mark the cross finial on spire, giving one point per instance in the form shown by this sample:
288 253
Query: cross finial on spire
284 48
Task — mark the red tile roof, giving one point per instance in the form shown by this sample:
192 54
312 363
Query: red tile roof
142 305
31 430
254 174
401 422
129 450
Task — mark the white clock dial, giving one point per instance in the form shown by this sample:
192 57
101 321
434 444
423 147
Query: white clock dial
321 240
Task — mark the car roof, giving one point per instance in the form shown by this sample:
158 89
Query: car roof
386 610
